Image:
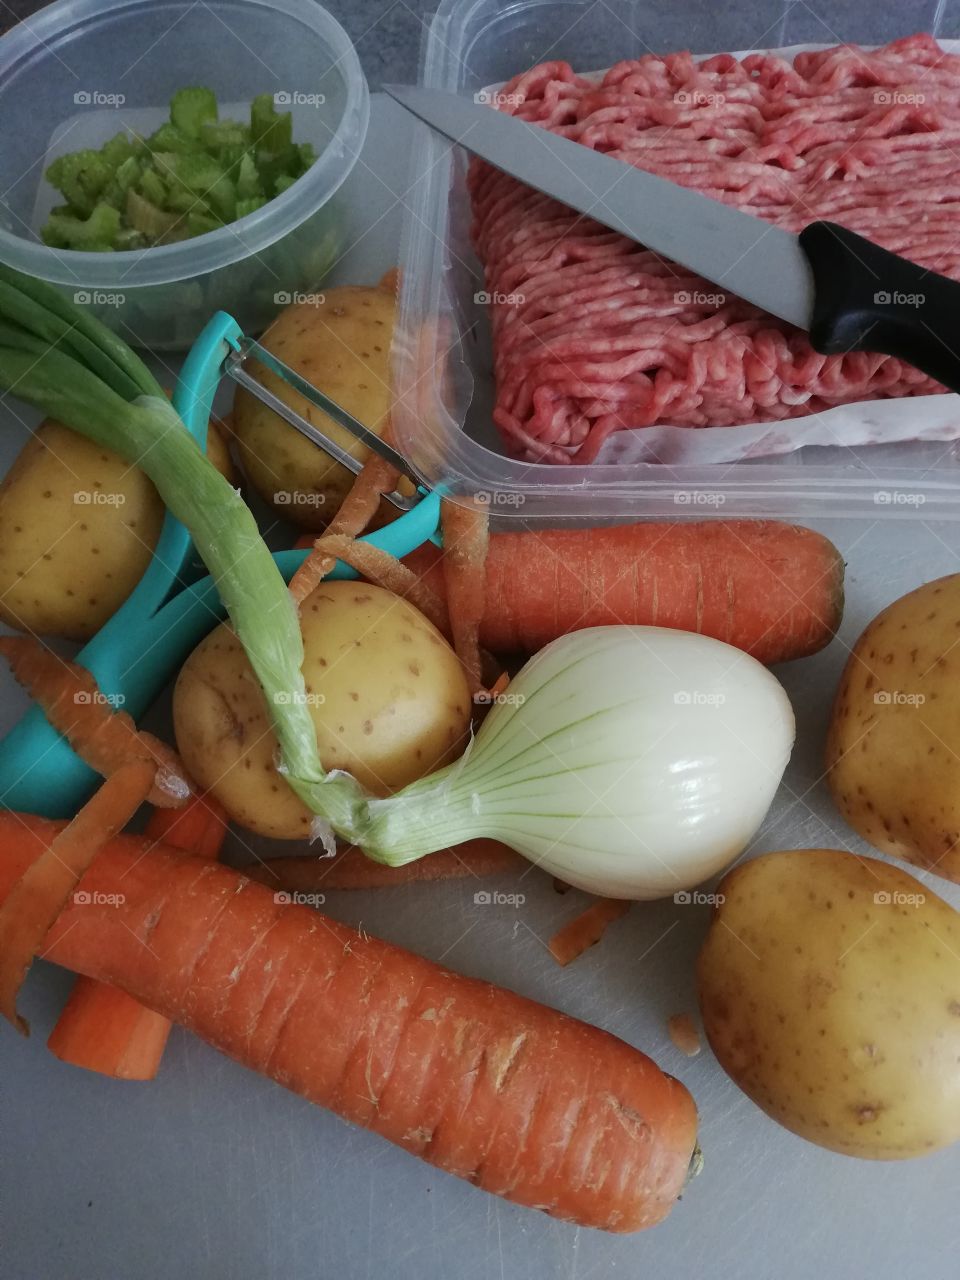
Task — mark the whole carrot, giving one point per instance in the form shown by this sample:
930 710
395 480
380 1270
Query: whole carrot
517 1098
772 589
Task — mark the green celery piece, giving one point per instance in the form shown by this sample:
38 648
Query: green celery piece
95 234
282 183
81 176
118 149
230 158
145 218
248 179
128 173
269 127
224 133
307 155
198 224
128 238
250 206
191 109
202 176
273 165
168 138
153 188
183 201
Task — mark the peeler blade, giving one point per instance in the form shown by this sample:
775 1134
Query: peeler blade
235 368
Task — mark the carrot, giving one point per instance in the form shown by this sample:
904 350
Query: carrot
586 929
465 542
352 869
105 738
103 1029
39 895
361 504
380 568
775 590
517 1098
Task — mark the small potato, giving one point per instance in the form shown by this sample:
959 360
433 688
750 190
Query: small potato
893 749
386 693
78 526
830 992
341 346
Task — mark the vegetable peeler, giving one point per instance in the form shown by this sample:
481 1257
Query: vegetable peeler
145 642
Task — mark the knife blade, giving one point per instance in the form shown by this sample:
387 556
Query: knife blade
746 256
851 294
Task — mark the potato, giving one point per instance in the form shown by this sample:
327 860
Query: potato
342 346
830 991
78 526
893 749
386 692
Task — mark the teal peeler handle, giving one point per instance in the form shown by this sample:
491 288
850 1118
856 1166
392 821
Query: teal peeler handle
143 645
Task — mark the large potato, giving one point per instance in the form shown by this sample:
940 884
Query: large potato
893 749
340 342
830 992
78 526
386 693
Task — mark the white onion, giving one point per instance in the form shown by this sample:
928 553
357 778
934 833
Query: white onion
633 762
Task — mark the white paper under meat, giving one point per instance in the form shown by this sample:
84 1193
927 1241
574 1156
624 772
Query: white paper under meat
863 422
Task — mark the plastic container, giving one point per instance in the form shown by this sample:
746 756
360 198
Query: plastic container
442 359
80 71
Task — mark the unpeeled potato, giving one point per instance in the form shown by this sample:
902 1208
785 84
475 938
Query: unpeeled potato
386 693
829 987
78 525
339 342
893 749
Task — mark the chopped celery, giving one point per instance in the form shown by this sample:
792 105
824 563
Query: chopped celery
95 234
194 164
192 108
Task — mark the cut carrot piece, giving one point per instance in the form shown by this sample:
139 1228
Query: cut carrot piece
774 590
380 568
514 1097
587 929
361 504
466 531
352 869
103 1029
102 736
43 890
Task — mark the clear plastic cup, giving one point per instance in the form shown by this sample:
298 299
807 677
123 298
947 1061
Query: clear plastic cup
80 71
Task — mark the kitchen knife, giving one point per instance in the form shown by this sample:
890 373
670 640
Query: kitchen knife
848 292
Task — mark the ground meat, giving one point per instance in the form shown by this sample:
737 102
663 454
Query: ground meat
593 333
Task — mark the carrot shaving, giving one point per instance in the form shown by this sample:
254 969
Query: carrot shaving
352 869
361 504
104 737
41 893
586 929
683 1032
466 535
380 568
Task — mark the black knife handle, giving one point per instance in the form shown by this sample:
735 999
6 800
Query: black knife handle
867 299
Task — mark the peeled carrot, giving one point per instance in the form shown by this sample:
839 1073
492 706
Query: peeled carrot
41 892
102 736
352 869
465 541
586 929
517 1098
775 590
103 1029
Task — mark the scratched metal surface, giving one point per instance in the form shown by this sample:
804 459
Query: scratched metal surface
211 1171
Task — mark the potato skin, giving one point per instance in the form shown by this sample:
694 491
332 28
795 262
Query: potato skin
893 747
67 564
388 697
341 346
829 988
